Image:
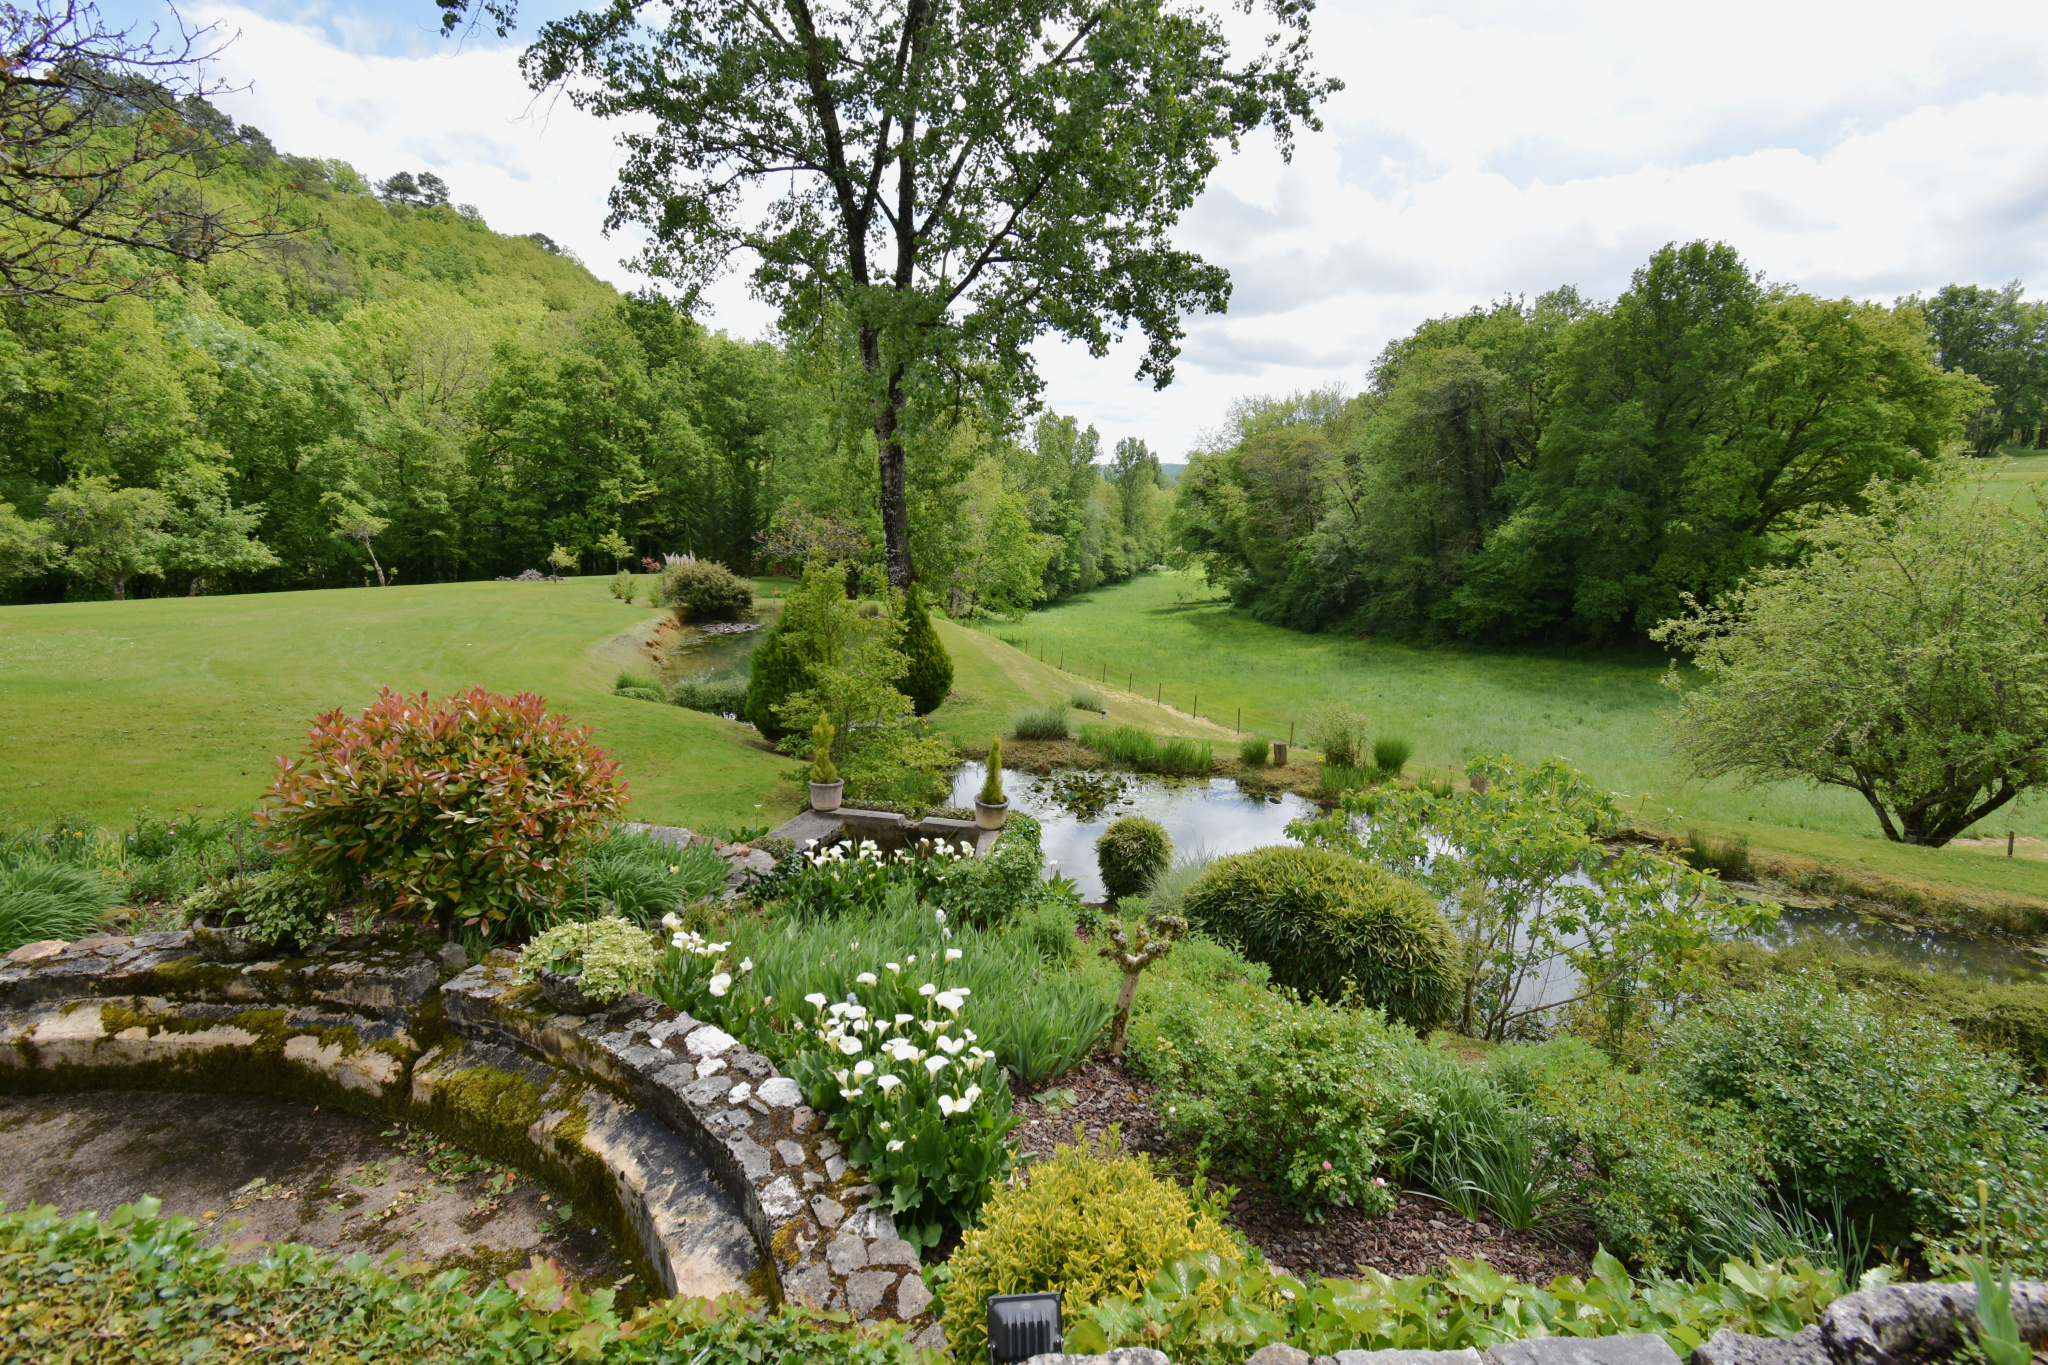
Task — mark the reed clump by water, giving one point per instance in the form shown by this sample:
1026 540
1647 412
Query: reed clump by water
1041 722
1135 748
1729 857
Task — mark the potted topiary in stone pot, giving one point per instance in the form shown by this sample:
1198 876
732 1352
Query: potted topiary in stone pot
588 965
278 913
992 807
827 786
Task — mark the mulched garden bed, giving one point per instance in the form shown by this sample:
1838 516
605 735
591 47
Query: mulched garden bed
1419 1235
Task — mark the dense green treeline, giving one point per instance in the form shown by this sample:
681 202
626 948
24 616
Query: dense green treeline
392 391
478 397
1571 471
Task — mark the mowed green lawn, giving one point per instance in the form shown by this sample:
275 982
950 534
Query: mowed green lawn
2022 477
1602 711
176 704
167 705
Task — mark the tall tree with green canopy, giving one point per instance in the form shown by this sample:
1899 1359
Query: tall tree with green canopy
1906 658
109 534
954 180
1689 427
2001 338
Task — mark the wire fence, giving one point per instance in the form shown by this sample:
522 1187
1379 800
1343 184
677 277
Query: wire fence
1162 691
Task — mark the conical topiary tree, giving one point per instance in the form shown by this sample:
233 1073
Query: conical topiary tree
775 671
930 675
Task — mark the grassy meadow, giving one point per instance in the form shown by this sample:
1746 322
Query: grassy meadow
2022 477
1602 711
163 705
175 704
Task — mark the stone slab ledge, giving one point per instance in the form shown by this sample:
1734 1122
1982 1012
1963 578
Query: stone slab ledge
820 1227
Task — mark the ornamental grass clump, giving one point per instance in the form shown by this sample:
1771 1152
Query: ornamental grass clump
639 878
1125 744
609 957
43 898
1336 928
727 699
1041 722
1092 1225
638 686
468 809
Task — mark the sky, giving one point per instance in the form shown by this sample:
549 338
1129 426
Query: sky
1479 150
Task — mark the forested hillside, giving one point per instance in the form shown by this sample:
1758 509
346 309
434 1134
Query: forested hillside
389 385
1560 470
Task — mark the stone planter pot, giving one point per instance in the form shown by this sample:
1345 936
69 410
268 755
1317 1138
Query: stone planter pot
227 943
565 993
231 943
991 816
825 795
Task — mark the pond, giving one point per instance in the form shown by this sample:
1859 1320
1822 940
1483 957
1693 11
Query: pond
714 655
1987 959
1208 818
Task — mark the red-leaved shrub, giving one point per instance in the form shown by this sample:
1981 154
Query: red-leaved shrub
469 807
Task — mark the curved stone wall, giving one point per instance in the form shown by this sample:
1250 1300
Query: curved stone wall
625 1109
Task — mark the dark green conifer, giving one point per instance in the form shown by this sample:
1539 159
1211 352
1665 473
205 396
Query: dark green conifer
930 676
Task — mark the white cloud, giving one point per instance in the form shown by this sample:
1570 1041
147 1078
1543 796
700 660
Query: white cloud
1485 149
1481 148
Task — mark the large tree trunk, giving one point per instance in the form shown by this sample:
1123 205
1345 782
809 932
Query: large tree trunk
895 515
889 452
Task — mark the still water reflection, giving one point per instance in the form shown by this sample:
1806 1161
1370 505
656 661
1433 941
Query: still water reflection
1210 818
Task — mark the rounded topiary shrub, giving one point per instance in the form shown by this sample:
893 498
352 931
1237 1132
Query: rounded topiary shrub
701 590
1326 923
930 675
1131 854
1091 1225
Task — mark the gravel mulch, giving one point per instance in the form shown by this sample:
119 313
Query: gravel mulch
1419 1235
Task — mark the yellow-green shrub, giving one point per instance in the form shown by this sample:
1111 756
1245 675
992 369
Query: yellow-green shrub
1089 1225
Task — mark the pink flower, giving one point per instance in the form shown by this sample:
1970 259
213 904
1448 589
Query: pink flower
1326 1165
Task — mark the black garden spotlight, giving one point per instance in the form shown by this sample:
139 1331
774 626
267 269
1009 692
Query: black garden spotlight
1021 1326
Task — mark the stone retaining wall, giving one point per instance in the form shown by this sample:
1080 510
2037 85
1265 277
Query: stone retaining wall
624 1109
1900 1324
